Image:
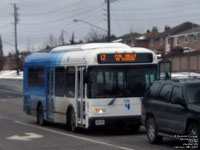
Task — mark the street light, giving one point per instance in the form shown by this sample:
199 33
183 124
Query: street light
77 20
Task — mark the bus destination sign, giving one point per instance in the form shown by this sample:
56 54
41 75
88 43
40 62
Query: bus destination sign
125 58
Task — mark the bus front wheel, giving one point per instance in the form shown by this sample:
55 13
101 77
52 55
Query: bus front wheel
73 121
40 115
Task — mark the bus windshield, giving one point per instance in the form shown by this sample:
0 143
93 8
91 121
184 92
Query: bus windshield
120 81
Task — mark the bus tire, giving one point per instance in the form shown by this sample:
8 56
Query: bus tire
40 115
68 127
73 121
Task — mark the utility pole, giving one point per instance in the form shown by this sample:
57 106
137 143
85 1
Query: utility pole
15 27
108 19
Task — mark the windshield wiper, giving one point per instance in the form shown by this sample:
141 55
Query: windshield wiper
112 101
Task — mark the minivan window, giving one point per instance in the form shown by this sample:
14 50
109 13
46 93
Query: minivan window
153 90
165 93
193 93
176 93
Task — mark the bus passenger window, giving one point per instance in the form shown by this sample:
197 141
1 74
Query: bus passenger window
36 77
70 82
60 81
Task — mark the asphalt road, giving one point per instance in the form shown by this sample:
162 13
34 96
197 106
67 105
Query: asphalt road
20 132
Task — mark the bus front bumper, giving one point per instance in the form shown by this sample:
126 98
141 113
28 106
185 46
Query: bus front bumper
114 121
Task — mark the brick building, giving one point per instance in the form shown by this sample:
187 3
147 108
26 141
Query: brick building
189 38
162 42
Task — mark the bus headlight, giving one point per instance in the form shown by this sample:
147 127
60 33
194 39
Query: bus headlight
99 111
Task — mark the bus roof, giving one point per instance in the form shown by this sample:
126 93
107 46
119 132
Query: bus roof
89 46
81 54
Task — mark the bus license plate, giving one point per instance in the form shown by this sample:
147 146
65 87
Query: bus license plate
99 122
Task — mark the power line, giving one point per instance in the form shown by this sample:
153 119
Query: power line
52 11
153 8
63 19
118 24
4 8
157 18
57 31
8 43
155 13
48 3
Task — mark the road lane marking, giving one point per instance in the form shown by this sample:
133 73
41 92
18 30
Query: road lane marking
27 137
74 136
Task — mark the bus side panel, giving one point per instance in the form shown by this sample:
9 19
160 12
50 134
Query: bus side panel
26 95
33 96
37 95
61 105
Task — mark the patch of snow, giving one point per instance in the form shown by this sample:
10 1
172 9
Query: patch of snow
185 74
141 38
11 74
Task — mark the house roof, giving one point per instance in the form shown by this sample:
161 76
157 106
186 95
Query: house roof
193 30
180 28
172 31
130 35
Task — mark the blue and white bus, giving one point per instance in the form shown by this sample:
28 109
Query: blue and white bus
88 85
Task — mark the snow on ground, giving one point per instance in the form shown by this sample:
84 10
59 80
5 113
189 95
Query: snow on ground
185 74
11 74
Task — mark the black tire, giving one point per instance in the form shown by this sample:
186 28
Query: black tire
152 132
68 121
193 130
73 121
40 116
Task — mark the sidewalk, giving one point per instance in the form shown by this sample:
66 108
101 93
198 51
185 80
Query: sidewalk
11 74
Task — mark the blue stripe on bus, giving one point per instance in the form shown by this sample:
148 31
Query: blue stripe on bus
52 59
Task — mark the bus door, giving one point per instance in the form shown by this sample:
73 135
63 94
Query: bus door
80 95
50 92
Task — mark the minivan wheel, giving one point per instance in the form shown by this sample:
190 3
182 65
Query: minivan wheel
40 116
152 134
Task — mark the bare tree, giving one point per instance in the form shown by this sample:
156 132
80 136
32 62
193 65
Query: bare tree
94 36
72 41
52 40
61 39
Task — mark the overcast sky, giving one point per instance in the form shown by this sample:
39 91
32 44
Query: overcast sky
40 18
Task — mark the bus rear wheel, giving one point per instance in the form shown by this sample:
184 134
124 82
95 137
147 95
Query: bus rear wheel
40 115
